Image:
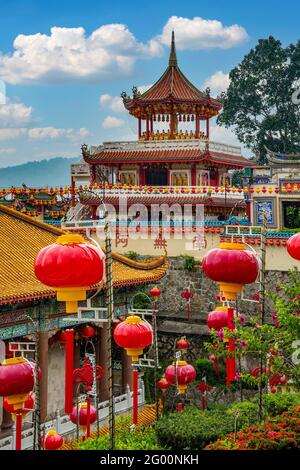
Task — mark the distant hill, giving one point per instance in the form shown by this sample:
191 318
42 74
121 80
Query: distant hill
53 172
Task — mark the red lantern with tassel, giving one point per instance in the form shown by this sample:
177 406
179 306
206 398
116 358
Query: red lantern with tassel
187 294
182 374
134 335
231 266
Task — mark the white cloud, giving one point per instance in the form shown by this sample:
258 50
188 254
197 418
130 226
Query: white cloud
199 33
13 113
221 134
112 122
114 103
144 88
217 83
7 151
52 133
12 133
68 54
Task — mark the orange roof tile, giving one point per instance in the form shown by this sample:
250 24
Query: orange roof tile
21 238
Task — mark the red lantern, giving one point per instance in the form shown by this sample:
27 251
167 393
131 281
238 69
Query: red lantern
231 266
218 319
293 246
182 344
133 334
83 415
163 384
187 294
61 336
52 440
17 381
87 331
27 406
70 266
185 374
155 292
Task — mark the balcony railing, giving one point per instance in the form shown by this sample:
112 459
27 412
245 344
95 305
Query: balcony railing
167 144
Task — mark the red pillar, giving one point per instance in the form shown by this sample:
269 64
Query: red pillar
147 127
135 397
69 366
19 431
72 192
179 407
248 210
172 125
197 130
88 417
193 176
207 128
140 127
230 361
151 123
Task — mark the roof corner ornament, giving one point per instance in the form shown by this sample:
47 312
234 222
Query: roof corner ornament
207 91
135 92
84 150
125 97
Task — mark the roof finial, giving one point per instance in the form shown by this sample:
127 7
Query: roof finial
173 58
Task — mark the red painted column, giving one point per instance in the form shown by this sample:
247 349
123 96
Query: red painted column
140 127
193 176
69 367
151 124
179 407
230 361
19 431
172 125
207 128
135 397
248 210
88 417
197 130
72 192
147 127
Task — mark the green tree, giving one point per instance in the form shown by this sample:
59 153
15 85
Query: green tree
258 103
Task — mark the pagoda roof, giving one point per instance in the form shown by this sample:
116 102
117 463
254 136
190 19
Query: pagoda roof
191 155
22 237
283 158
173 86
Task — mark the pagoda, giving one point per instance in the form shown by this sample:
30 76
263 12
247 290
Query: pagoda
173 158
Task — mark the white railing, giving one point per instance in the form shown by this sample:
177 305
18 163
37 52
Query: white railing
167 144
64 425
174 192
80 169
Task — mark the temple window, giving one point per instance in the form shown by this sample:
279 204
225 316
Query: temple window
203 178
128 177
180 177
226 179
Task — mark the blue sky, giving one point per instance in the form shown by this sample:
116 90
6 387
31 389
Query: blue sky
62 87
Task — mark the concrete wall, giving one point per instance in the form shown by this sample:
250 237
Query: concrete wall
56 378
277 258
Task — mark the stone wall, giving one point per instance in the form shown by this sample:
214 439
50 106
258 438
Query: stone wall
173 309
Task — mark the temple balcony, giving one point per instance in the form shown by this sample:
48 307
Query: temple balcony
200 144
163 194
80 171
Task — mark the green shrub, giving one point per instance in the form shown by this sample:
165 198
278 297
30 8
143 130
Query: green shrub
139 439
246 413
189 263
192 429
204 367
277 403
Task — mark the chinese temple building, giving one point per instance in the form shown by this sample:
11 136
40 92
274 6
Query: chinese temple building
276 191
29 308
45 204
173 159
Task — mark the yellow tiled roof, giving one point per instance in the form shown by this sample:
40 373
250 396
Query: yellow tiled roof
22 237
